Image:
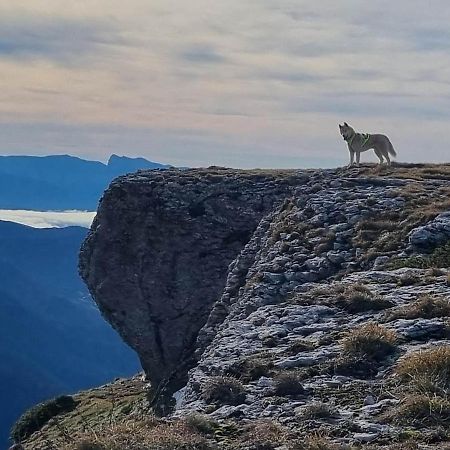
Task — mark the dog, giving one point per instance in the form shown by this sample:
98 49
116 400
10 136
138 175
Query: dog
358 143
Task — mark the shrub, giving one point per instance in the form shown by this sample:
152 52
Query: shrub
288 383
371 341
37 416
426 307
223 390
421 410
428 371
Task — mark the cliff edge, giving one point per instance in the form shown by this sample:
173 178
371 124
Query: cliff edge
156 258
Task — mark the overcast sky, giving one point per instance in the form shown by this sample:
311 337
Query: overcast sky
244 83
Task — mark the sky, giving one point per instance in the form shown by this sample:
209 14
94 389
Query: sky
241 83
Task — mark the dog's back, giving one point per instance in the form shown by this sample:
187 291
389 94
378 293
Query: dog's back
382 142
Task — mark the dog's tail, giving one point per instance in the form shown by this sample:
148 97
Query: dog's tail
391 150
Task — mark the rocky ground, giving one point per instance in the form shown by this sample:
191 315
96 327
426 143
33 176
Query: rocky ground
332 330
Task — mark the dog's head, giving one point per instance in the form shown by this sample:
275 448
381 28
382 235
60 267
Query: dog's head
346 131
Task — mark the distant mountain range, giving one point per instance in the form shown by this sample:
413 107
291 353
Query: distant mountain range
52 337
60 182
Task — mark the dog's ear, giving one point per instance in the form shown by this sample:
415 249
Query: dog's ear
340 126
346 124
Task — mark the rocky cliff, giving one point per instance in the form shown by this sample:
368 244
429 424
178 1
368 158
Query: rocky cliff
157 255
311 308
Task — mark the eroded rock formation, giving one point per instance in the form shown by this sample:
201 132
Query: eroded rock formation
157 254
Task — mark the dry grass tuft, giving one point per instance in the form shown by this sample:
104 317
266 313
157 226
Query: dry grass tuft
263 435
364 349
427 371
201 423
142 436
288 383
426 307
319 410
421 410
252 368
314 443
408 279
223 391
353 298
371 340
358 298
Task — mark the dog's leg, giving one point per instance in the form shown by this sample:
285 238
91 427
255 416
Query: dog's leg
352 155
388 160
380 156
358 156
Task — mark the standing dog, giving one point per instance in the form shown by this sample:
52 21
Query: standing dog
358 143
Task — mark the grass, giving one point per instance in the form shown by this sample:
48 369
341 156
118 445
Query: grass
252 368
439 258
201 423
319 410
421 410
426 307
314 443
364 348
408 279
353 298
371 340
262 435
223 390
142 436
33 419
300 345
288 383
358 298
427 371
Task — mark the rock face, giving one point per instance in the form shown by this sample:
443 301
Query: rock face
157 255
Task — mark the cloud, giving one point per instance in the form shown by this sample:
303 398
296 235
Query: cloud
48 219
261 82
201 54
62 40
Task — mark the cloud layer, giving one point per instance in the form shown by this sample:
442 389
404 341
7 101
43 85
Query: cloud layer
48 219
242 83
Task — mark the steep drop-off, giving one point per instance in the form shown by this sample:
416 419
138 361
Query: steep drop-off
157 255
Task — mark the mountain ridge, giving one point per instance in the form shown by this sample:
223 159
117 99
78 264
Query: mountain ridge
61 182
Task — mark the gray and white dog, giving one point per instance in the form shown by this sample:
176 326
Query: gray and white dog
358 143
